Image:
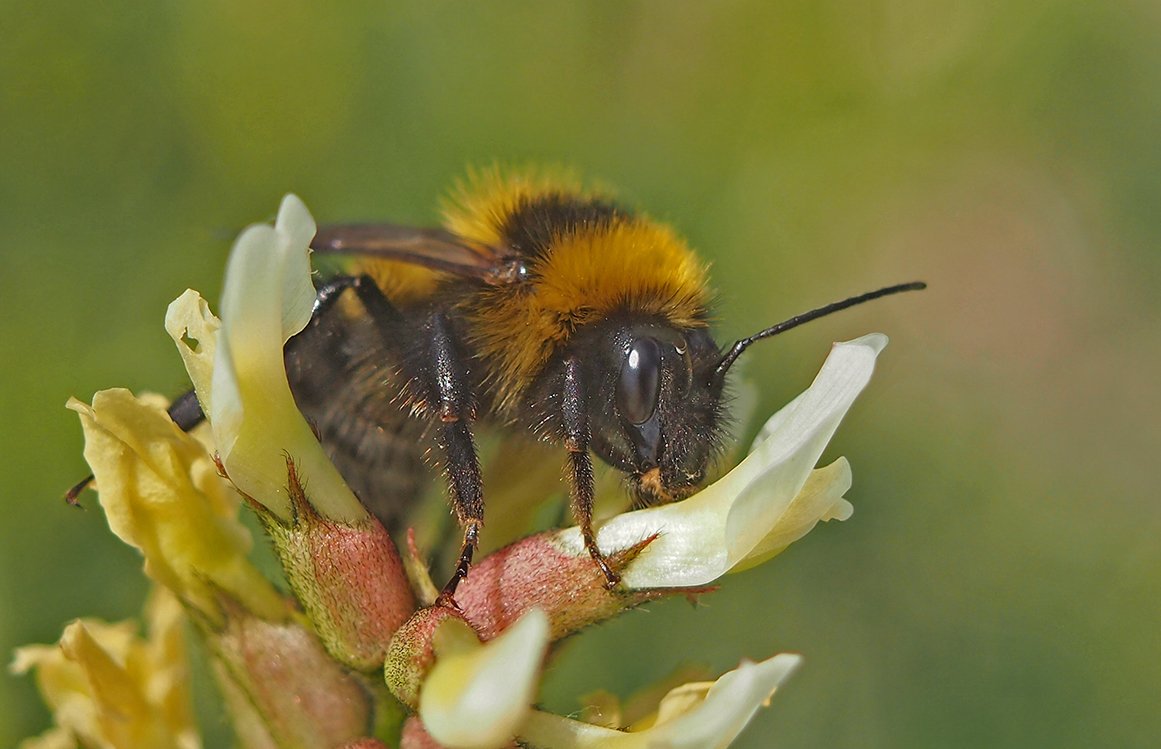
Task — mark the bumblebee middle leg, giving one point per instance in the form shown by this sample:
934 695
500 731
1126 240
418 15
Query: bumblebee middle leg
441 389
437 388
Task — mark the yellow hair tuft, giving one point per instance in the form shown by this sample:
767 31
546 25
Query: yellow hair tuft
482 202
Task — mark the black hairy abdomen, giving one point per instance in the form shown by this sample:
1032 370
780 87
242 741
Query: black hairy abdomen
348 384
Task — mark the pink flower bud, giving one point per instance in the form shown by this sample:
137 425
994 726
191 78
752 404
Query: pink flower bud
279 682
535 573
348 577
412 651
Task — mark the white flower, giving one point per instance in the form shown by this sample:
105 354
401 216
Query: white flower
268 297
476 696
693 716
768 501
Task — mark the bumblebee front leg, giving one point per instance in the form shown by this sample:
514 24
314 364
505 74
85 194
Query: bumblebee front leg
580 465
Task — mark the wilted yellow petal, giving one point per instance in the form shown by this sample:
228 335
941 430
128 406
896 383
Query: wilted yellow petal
163 660
161 493
694 716
476 696
53 738
109 688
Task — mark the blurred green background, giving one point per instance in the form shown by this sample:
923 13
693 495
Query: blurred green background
1000 582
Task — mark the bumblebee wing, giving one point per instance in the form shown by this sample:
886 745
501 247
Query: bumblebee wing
437 249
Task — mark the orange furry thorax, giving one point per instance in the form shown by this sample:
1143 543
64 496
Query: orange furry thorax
591 259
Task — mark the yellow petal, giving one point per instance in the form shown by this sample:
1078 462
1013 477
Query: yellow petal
476 696
161 494
107 687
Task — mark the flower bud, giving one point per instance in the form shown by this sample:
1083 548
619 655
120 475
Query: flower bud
536 573
412 651
364 743
282 688
338 559
347 576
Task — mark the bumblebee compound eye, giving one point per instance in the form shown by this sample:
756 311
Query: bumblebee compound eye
640 381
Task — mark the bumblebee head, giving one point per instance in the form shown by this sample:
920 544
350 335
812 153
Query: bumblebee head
654 405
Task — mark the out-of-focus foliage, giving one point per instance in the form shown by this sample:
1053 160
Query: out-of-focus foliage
1000 582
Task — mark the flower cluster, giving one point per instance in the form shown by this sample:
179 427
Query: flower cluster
362 655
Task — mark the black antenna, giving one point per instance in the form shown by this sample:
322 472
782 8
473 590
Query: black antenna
737 349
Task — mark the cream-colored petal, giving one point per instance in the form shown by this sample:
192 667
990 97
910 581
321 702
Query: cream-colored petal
267 298
820 499
296 227
476 698
703 537
791 442
194 328
691 717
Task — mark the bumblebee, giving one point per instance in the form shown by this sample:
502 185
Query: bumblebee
538 307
